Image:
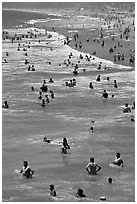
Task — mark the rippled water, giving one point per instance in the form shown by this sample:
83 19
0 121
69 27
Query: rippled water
69 115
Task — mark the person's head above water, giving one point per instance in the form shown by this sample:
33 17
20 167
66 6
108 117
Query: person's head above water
118 155
51 187
109 180
92 159
25 163
64 139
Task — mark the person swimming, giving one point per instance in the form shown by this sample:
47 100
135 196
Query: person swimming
26 170
105 94
92 167
127 109
118 161
65 146
47 98
133 107
47 140
98 78
51 80
5 105
80 193
52 94
110 180
91 85
52 191
115 84
43 103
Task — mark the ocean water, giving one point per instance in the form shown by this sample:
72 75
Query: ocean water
69 115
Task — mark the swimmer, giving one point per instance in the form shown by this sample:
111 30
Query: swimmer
91 129
26 170
52 191
93 167
5 105
51 80
115 84
105 94
52 94
47 140
32 88
91 85
127 109
80 193
132 118
47 98
118 161
133 107
98 78
43 103
110 180
74 82
65 146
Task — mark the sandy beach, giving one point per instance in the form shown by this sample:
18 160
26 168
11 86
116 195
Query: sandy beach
43 48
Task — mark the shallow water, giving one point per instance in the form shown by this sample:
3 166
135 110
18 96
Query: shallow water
69 115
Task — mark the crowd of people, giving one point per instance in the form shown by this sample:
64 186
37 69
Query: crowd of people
46 94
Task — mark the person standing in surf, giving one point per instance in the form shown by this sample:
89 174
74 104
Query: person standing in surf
92 167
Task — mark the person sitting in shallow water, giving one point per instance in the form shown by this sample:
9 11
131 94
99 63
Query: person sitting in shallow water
80 193
127 109
118 161
26 170
5 105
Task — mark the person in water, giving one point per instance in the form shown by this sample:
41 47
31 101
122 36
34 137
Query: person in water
52 191
43 103
80 193
127 109
98 78
26 170
47 140
92 167
65 146
133 107
51 80
118 161
115 84
91 85
110 180
105 94
52 94
5 105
